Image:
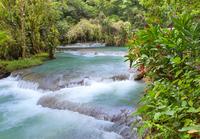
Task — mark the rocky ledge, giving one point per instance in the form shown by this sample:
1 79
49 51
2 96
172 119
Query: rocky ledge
122 120
4 73
56 82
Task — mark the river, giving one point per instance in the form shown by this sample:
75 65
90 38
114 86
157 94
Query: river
77 83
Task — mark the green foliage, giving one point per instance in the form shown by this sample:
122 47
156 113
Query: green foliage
125 10
116 32
171 107
114 20
78 9
161 11
13 65
35 26
163 49
5 40
104 30
29 26
170 56
84 31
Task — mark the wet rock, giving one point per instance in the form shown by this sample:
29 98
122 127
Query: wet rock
58 103
59 81
122 121
50 82
120 77
139 77
4 74
21 73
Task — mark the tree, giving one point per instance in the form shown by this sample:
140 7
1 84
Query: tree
29 25
21 4
161 11
4 38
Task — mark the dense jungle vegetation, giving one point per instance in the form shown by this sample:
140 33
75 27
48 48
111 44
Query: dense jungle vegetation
163 37
29 27
167 53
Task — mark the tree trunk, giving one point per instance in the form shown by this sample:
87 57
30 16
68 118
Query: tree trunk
51 53
23 33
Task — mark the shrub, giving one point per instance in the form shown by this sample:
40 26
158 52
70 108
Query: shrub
171 106
106 31
84 31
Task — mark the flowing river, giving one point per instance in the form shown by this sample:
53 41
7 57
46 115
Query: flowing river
70 97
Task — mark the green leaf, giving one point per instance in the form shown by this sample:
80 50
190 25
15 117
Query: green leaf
190 103
184 103
193 110
176 60
178 73
194 127
170 113
157 116
144 56
157 94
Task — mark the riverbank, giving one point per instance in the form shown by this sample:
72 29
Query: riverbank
6 67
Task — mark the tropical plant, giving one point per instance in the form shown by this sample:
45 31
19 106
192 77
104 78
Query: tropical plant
170 107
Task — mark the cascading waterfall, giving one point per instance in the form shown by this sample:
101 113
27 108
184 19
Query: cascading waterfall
60 111
21 117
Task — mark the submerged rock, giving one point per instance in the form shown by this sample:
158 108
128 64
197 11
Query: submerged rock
56 103
122 121
120 77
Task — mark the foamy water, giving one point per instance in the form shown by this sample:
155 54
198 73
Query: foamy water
22 118
86 94
94 53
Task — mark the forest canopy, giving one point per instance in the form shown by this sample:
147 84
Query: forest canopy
29 27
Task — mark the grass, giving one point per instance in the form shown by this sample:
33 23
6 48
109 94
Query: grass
9 66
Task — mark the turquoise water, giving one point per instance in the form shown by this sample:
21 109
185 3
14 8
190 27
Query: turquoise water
22 118
82 65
